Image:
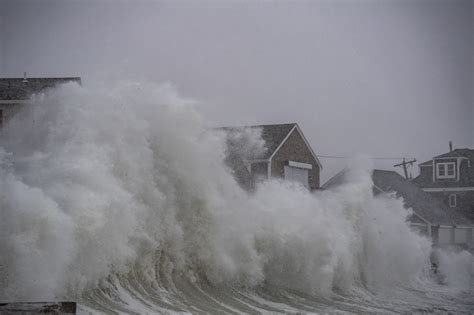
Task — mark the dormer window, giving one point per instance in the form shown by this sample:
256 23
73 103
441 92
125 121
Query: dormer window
445 170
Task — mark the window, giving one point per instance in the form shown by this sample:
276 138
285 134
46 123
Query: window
450 169
452 200
445 170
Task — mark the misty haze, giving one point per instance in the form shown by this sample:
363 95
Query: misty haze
217 157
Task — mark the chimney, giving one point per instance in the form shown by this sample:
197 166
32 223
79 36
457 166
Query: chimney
25 80
450 146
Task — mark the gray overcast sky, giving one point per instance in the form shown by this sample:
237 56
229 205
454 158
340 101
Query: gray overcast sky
386 78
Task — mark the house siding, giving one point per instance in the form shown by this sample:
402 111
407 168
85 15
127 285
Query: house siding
284 143
295 149
426 175
466 175
460 186
464 201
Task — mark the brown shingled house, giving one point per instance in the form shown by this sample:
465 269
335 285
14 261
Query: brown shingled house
450 178
288 155
15 92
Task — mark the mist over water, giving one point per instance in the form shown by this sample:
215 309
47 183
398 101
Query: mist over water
117 196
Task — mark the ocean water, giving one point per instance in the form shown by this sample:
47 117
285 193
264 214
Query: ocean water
118 197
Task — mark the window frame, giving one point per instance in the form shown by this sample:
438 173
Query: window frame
455 199
444 166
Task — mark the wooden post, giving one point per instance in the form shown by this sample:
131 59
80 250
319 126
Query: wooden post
404 165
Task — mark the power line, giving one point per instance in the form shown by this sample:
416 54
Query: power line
404 165
350 157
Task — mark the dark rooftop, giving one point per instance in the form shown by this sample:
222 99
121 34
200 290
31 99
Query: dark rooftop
422 203
336 180
467 153
22 89
273 135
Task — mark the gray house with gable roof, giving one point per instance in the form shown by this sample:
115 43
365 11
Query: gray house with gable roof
286 155
15 92
450 178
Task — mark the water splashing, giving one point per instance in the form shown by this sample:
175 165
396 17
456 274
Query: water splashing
119 197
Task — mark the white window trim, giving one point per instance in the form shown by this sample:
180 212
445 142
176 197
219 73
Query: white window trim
453 205
445 165
448 189
300 165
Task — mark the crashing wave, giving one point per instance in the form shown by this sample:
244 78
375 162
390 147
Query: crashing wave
120 198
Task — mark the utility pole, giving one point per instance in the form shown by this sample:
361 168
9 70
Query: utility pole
404 165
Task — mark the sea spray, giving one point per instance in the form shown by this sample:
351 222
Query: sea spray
118 194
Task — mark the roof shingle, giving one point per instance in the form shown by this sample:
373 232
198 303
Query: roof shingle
467 153
273 135
422 203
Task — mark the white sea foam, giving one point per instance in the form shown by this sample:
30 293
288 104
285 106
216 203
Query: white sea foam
107 189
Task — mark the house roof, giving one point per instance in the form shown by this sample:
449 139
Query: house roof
273 135
466 153
336 180
422 203
21 89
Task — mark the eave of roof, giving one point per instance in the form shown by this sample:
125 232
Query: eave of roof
298 129
21 88
336 179
465 153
